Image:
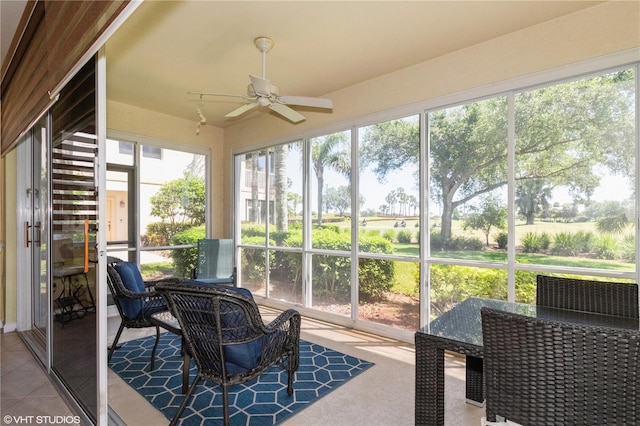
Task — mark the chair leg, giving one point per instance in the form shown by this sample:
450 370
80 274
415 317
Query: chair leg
153 351
115 341
290 374
186 363
176 417
225 404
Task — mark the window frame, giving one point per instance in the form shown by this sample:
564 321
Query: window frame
508 89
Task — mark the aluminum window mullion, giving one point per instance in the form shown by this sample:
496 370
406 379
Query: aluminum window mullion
306 224
511 197
425 233
355 214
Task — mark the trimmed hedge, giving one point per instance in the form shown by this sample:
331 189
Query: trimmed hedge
331 274
184 260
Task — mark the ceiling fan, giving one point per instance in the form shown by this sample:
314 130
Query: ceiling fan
264 94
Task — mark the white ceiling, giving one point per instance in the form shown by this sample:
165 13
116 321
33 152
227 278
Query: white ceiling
167 48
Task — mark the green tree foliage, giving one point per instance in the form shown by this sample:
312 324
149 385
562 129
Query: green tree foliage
562 133
532 198
338 199
180 201
491 214
329 151
180 204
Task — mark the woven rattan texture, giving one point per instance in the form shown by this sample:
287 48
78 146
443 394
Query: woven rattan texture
610 298
214 317
542 372
150 302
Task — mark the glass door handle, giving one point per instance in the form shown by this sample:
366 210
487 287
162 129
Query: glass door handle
26 233
37 233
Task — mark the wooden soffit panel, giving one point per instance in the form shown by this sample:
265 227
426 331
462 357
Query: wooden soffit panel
59 35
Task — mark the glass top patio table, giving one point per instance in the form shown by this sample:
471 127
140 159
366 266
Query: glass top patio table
460 330
463 322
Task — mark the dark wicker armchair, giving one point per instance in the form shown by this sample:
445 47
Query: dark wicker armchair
610 298
542 372
135 299
227 339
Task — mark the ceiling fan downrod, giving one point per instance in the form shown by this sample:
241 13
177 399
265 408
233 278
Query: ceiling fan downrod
264 45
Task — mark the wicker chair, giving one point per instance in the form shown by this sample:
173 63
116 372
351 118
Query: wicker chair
135 299
610 298
542 372
227 339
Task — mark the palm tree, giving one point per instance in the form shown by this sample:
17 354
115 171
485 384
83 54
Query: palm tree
280 186
391 199
329 152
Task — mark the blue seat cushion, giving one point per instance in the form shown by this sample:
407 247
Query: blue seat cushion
242 356
132 280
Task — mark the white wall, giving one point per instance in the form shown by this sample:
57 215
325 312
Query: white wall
137 121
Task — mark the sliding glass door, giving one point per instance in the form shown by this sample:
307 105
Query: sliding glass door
74 225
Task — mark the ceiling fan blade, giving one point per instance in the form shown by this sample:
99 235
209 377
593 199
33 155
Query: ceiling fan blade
306 101
287 112
261 85
239 111
230 95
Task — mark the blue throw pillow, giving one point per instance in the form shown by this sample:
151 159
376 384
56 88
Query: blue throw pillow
132 280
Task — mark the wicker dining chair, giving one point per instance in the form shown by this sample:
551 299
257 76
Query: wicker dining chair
610 298
543 372
227 338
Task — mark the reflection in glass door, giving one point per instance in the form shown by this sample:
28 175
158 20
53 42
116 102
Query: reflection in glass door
37 229
74 228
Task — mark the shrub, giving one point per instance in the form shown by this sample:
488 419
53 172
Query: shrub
404 236
545 241
531 242
502 238
331 274
605 247
583 241
252 260
184 260
451 284
526 286
565 244
628 248
456 243
159 234
389 235
252 230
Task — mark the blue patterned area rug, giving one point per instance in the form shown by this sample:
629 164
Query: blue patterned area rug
261 401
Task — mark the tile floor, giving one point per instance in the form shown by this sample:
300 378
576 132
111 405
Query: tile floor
383 395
